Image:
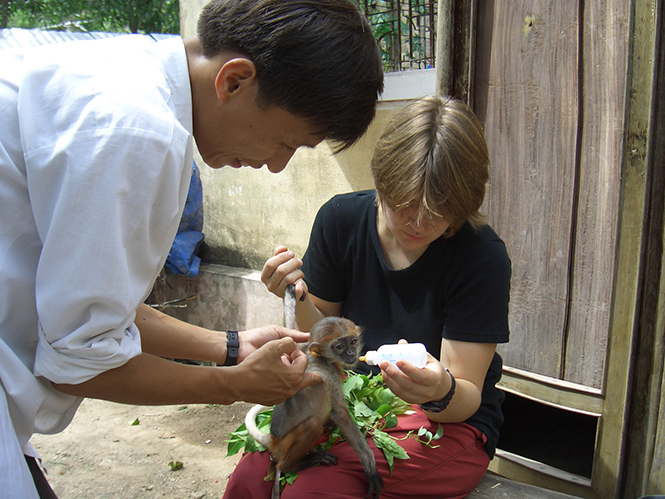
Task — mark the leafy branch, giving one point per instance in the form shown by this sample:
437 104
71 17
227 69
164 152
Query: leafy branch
372 406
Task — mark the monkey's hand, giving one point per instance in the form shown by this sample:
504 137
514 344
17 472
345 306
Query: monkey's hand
253 339
273 373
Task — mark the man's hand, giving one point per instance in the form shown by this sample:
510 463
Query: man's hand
253 339
273 373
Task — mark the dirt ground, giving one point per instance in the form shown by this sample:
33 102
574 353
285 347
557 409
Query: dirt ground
102 455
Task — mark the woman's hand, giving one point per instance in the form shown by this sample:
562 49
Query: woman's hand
467 362
415 385
282 269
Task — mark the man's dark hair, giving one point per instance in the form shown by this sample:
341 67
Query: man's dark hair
317 59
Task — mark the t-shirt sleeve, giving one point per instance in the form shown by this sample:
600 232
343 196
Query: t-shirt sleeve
322 263
476 308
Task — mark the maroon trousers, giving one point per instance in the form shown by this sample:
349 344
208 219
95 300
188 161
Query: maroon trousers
450 471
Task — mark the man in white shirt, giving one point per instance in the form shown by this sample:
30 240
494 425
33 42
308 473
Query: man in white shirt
96 147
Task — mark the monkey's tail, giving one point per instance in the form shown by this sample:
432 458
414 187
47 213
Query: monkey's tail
290 307
250 424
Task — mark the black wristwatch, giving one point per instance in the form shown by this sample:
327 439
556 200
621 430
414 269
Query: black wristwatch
232 346
440 405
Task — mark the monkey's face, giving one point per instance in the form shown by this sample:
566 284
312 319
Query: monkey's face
337 340
345 349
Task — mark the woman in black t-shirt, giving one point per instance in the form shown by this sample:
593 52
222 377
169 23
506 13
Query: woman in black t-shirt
410 261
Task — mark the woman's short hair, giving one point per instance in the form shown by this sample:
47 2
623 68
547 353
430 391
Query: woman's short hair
316 59
433 155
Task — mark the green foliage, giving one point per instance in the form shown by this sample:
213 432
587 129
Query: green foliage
373 407
176 465
241 438
121 16
402 31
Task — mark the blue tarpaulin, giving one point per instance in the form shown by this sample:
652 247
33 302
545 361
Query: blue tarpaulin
183 257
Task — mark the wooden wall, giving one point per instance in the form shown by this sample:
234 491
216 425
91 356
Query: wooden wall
552 97
571 95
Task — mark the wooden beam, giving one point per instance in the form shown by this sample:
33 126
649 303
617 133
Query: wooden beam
629 270
551 391
444 40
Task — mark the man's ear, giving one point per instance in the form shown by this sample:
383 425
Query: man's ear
233 77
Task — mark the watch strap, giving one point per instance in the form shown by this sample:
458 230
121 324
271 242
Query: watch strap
232 347
440 405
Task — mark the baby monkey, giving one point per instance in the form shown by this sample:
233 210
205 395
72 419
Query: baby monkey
298 422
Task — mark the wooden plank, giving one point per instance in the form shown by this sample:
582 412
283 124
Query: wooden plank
604 64
541 475
492 486
626 298
530 112
444 30
463 54
550 391
656 464
644 470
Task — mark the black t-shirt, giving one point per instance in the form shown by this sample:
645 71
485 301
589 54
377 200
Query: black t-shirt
458 289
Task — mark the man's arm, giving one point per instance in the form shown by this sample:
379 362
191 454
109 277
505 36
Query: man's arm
149 380
270 367
166 336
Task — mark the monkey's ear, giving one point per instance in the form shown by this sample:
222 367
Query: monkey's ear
316 349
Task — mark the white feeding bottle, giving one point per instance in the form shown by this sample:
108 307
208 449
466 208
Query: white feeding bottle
414 353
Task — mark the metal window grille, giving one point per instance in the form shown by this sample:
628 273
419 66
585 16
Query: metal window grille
405 31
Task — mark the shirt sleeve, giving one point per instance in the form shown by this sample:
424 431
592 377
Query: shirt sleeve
321 262
107 179
476 306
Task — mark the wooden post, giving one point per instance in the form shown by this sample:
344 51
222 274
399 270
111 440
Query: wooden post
444 59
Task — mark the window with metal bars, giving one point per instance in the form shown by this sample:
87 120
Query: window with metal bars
405 31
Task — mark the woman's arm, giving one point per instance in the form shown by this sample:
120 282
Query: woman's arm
467 362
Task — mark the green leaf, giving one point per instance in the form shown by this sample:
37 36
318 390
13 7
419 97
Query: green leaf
176 465
383 409
136 422
387 397
390 420
391 449
360 409
386 442
234 448
371 405
290 477
352 383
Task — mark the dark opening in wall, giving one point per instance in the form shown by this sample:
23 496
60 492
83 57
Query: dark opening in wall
553 436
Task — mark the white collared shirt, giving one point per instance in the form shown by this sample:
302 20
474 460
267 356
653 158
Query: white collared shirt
96 156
